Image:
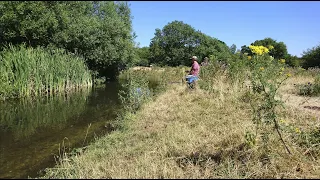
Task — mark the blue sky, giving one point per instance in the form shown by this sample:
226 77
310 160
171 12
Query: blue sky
295 23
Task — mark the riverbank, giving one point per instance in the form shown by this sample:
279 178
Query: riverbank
194 134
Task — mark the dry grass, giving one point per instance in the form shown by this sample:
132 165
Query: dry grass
191 134
141 68
290 95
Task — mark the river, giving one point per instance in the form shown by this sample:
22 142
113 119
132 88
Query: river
34 132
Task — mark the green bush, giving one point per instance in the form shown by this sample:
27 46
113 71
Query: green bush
237 68
134 90
310 89
141 85
311 57
207 76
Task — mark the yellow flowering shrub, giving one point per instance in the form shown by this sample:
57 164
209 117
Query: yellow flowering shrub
266 76
259 50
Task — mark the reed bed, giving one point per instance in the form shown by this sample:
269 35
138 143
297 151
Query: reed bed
34 71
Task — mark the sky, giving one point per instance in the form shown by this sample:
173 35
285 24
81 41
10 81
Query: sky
296 23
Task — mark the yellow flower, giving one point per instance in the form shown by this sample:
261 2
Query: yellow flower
288 74
261 68
282 121
297 130
249 57
280 73
259 50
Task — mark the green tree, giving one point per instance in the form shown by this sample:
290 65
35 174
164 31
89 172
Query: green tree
209 46
173 44
293 61
279 50
245 49
31 22
142 55
177 42
157 52
311 57
233 48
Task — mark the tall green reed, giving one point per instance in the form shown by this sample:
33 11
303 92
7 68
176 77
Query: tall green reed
33 71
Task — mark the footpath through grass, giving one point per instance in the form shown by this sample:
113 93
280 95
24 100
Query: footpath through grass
196 134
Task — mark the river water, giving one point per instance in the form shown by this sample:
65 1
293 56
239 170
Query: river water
33 132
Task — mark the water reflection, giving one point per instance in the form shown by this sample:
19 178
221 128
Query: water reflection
32 131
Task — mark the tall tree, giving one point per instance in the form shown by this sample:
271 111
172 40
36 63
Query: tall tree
311 57
245 49
142 56
279 50
177 42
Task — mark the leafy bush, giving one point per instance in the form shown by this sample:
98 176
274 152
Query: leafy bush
208 74
237 68
311 57
134 90
139 86
310 89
